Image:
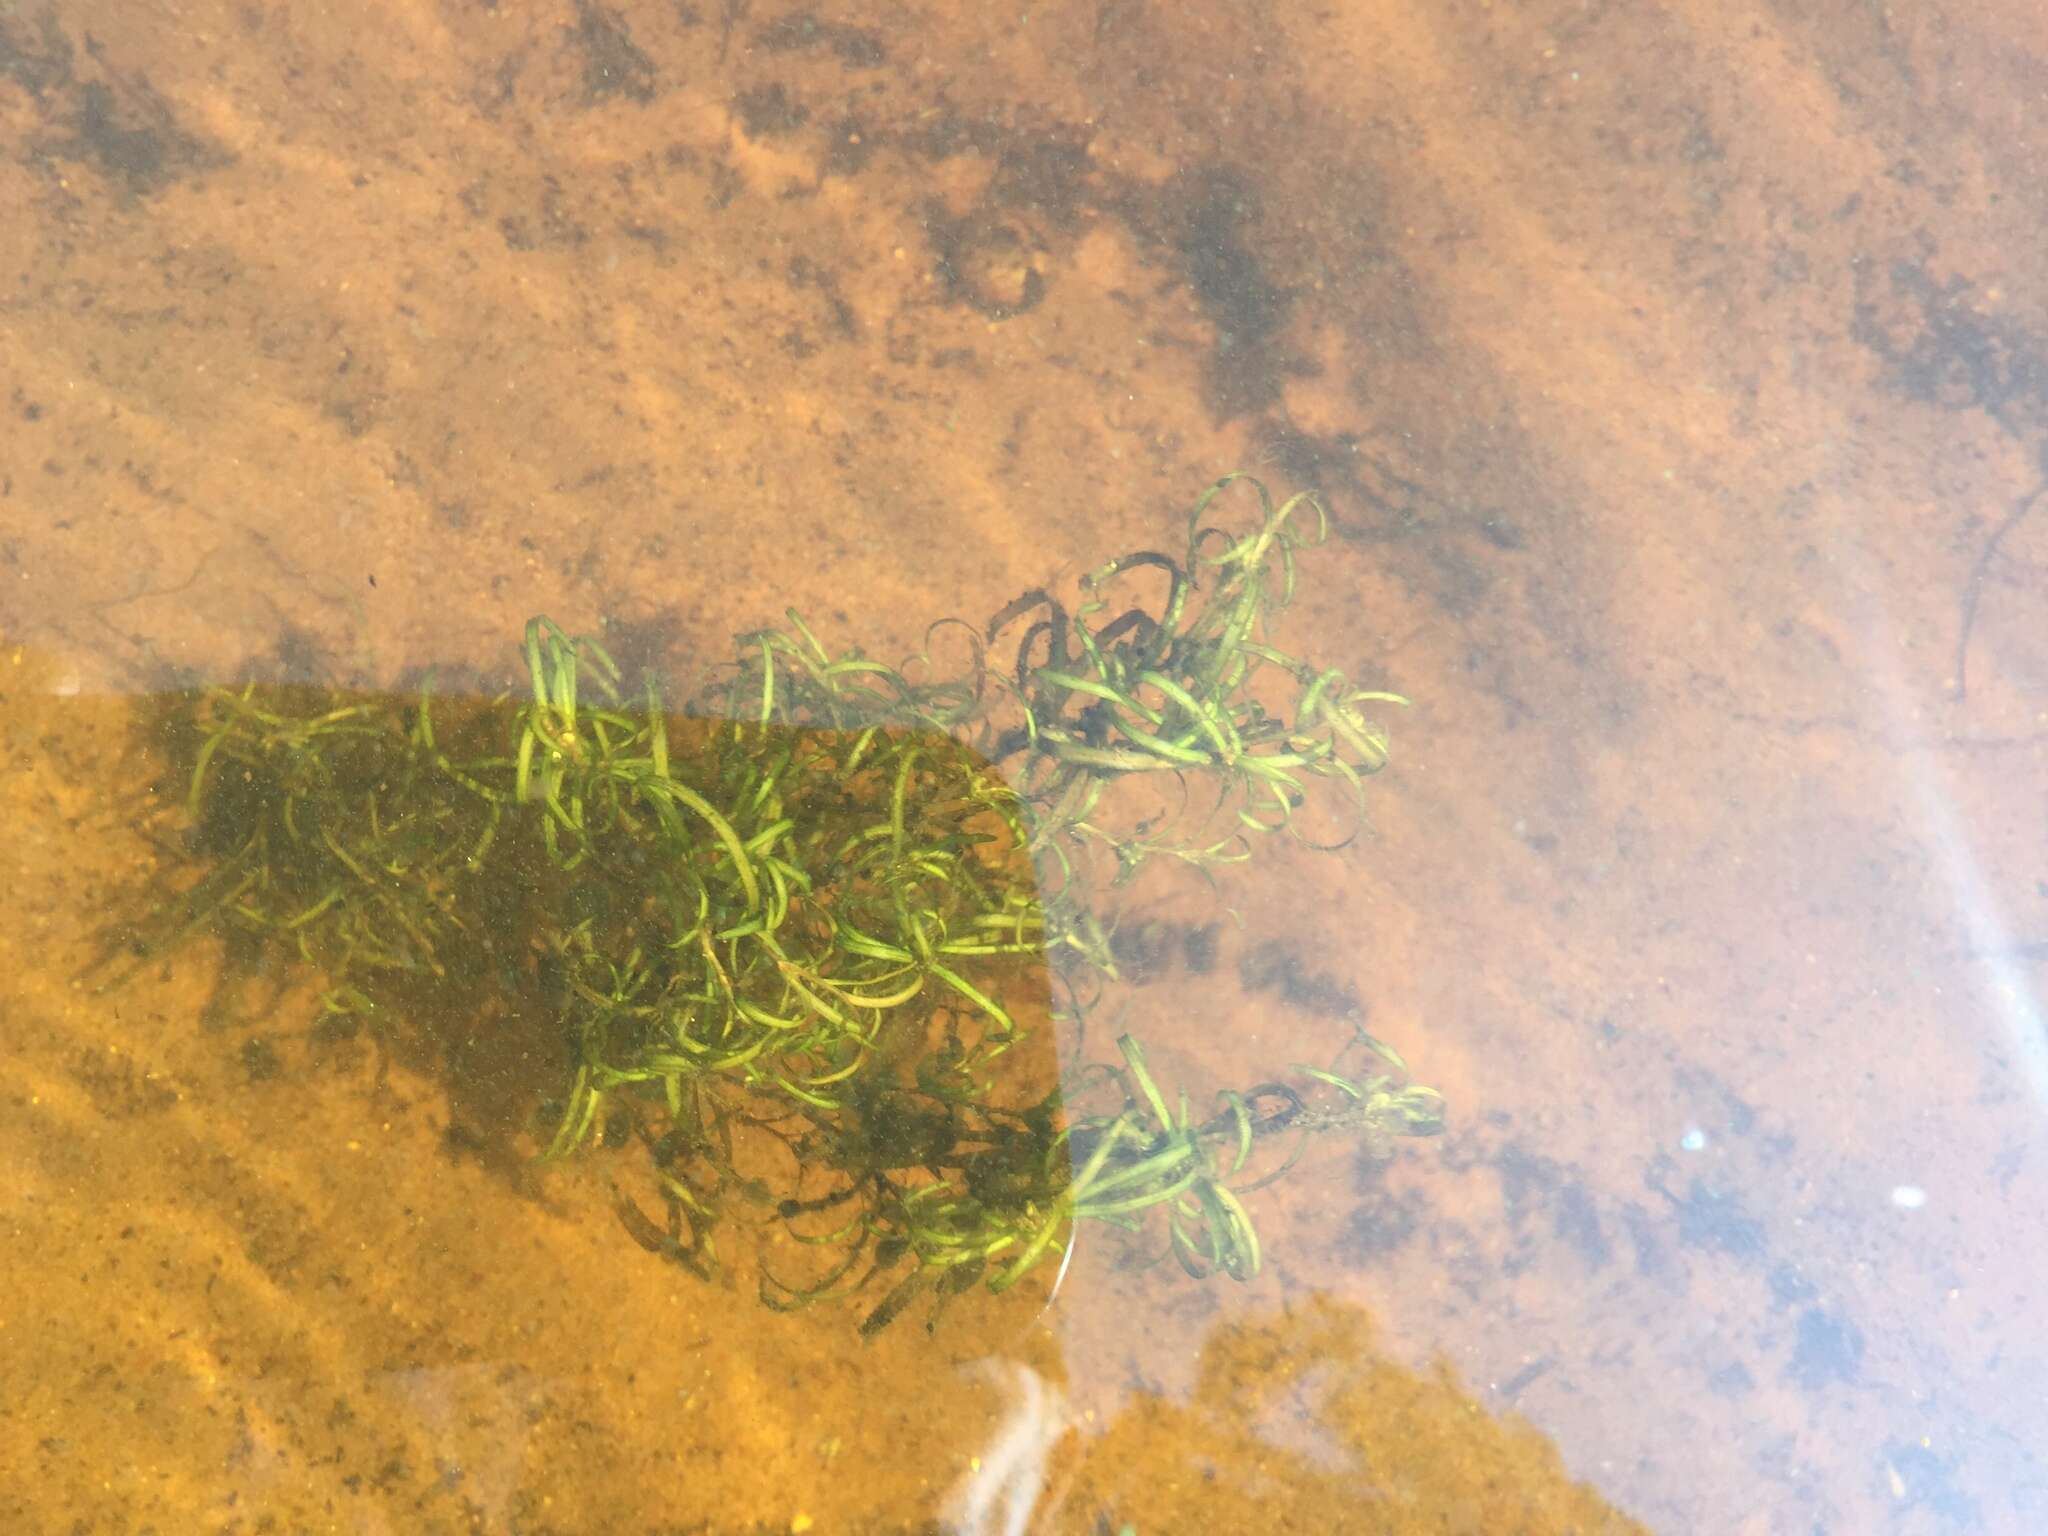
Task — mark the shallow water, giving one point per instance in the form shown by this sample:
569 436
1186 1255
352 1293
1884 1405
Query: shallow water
1677 383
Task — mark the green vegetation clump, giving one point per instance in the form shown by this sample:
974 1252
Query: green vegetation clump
807 942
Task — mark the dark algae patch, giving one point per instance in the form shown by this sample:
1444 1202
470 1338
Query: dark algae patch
118 126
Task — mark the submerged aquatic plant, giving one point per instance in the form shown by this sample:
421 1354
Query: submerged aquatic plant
807 940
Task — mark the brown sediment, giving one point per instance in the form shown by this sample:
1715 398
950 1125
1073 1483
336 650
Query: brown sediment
1676 378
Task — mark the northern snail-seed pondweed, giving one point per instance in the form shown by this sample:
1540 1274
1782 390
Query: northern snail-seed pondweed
806 942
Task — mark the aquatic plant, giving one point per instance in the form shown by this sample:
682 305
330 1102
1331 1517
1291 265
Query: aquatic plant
808 940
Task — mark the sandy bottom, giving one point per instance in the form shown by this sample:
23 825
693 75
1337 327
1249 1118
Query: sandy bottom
271 1280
